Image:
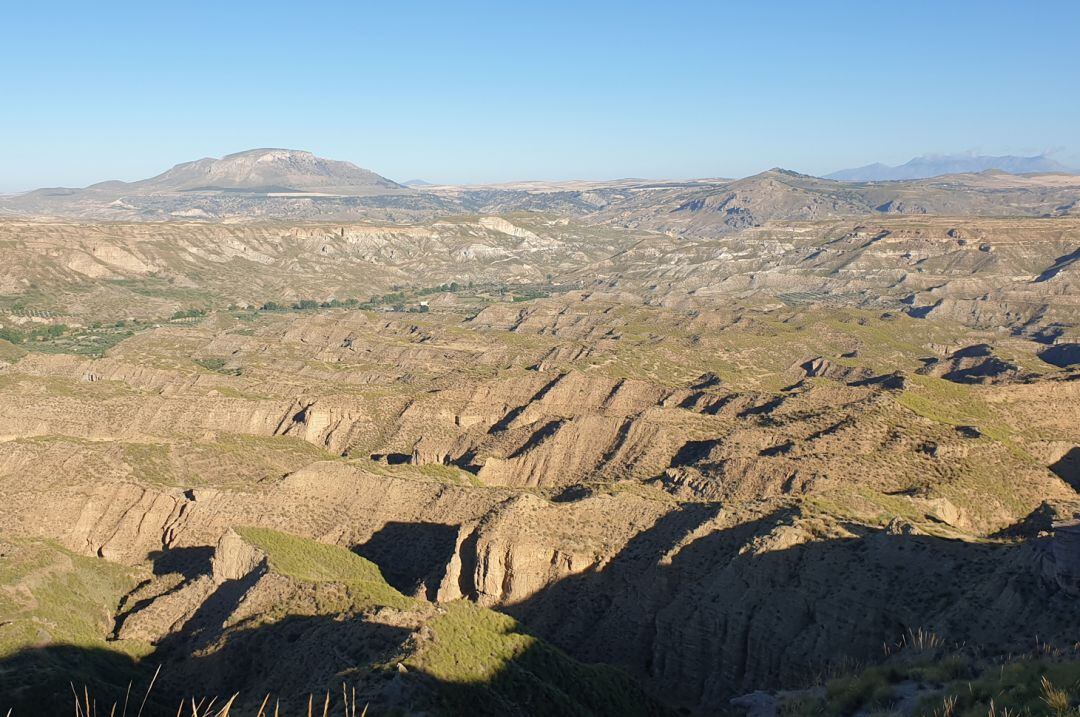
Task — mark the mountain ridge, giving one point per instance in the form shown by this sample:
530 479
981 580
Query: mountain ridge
936 165
255 170
284 184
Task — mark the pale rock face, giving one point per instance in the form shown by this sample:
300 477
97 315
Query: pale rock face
87 266
782 537
106 261
493 569
166 607
125 260
235 558
944 510
126 522
499 224
479 251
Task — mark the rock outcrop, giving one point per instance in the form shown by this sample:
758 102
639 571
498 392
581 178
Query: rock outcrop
235 558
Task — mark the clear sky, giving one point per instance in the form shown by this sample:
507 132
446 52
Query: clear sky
471 92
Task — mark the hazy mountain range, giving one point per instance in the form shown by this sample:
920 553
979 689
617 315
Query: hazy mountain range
935 165
284 184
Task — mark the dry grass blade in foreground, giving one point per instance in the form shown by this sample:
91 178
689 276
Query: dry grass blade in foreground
86 705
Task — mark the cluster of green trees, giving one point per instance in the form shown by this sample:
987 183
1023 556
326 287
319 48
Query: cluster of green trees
394 297
452 287
122 323
530 294
41 333
396 300
309 305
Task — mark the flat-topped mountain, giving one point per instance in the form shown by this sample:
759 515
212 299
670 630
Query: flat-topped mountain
935 165
255 171
257 183
270 170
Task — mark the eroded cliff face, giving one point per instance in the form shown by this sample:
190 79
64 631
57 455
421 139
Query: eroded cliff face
715 495
697 597
399 394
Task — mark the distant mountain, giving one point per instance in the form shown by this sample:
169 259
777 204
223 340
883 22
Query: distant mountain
282 184
258 183
417 183
259 170
703 209
939 164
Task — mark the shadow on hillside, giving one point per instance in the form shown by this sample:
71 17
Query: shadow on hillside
38 681
189 562
1059 264
1067 468
697 614
1030 526
300 656
291 658
748 607
1062 355
411 556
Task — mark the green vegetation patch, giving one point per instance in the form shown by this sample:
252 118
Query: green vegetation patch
1029 687
236 460
957 404
310 561
187 314
62 339
56 611
217 365
489 666
51 595
951 403
943 684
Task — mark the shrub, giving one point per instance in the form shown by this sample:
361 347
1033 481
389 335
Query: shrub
12 335
870 689
49 332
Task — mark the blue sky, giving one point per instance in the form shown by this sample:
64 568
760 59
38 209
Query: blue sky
471 92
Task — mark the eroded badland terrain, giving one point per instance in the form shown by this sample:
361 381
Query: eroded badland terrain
617 448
